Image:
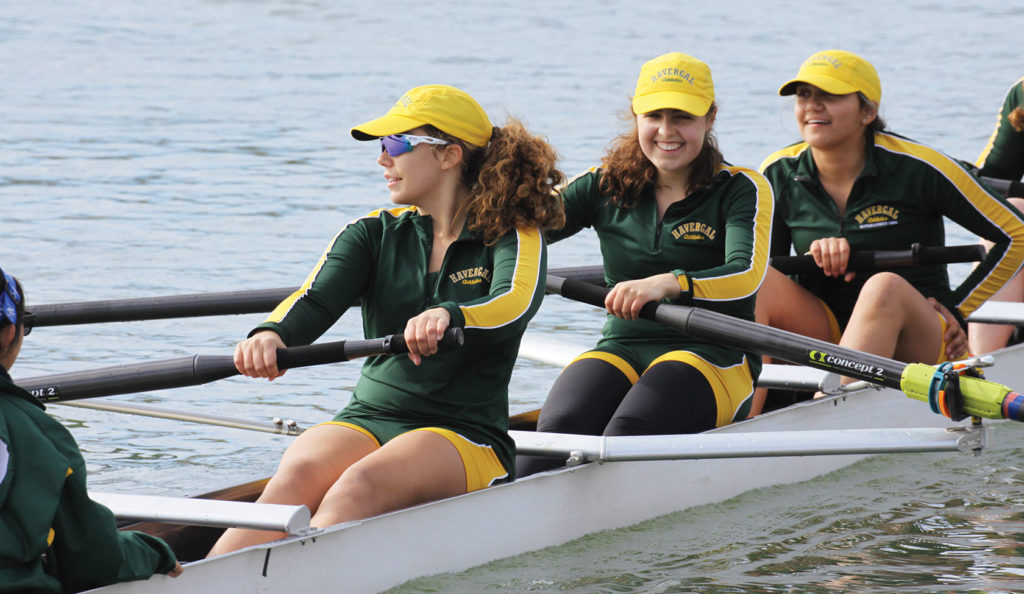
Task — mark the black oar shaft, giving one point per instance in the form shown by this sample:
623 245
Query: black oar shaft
1009 187
750 336
201 369
127 379
201 304
153 308
881 259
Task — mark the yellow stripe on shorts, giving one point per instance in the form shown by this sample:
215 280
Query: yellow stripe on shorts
733 385
834 331
356 427
481 463
614 360
942 358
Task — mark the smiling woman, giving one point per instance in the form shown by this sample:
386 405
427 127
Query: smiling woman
851 185
675 224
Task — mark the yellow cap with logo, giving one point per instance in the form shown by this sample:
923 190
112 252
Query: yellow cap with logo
837 72
674 81
446 108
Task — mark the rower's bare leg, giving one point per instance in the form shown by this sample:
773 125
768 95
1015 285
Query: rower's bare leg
782 303
413 468
985 338
308 469
892 319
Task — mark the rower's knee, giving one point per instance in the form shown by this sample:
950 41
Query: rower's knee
297 482
881 292
359 483
563 420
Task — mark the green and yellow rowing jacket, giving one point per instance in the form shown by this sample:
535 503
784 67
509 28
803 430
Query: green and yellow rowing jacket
53 538
900 198
716 242
492 291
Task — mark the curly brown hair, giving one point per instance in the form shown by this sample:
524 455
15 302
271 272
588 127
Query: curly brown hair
1017 119
511 181
627 174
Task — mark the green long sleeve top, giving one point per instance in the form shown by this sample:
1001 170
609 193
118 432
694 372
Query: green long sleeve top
715 241
900 198
492 291
53 538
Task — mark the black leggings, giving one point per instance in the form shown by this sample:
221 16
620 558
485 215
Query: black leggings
592 397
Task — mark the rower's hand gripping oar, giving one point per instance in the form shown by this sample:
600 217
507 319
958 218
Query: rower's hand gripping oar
884 259
948 393
201 369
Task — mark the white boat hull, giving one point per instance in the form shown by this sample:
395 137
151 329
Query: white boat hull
543 510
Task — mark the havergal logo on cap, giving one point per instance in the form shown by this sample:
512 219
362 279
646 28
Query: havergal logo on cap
673 75
828 60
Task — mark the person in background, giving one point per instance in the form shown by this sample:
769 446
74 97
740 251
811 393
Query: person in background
852 185
463 248
675 224
53 537
1003 158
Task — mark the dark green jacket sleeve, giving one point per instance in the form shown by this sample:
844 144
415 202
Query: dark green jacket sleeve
782 237
962 198
517 289
45 508
578 196
84 527
748 203
339 277
1003 156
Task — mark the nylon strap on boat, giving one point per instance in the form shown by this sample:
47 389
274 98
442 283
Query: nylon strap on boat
944 392
937 384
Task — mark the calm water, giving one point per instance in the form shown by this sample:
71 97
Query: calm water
152 148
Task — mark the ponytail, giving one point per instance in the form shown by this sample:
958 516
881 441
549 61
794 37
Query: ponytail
1016 118
511 182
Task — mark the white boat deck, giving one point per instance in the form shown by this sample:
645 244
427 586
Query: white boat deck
546 509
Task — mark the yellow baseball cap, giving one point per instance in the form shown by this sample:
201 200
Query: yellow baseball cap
674 81
837 72
446 108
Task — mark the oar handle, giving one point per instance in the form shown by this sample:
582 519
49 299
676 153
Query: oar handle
881 259
577 291
591 294
346 350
